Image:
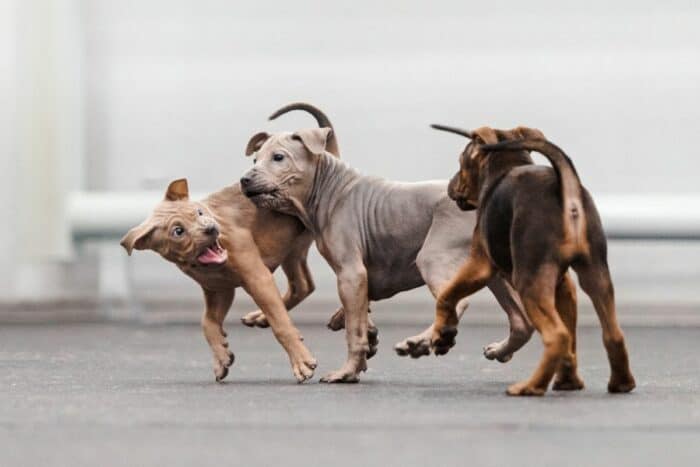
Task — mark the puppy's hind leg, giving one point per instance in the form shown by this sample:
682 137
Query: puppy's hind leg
594 278
337 322
520 327
437 261
419 345
567 378
353 289
538 296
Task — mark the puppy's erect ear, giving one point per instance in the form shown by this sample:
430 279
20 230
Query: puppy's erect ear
138 238
177 190
529 133
256 142
314 139
486 135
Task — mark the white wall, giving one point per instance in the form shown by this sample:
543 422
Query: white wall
175 88
7 144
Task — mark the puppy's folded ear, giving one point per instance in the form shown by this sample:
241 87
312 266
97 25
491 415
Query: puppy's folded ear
529 133
177 190
486 135
256 142
314 139
138 238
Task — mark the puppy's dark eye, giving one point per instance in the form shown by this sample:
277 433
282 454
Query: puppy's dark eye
278 157
178 231
200 212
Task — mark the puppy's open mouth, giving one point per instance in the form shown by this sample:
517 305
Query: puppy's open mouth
260 193
214 254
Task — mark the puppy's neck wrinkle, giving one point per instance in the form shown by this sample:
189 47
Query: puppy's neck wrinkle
332 180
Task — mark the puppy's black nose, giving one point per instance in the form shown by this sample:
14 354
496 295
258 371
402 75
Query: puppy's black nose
211 230
245 181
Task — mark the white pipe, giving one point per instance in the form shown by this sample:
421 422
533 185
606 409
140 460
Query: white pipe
645 216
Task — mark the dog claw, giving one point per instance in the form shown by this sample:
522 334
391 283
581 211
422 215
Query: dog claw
220 377
445 340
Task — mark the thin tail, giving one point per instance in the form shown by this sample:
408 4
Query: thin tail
321 119
570 185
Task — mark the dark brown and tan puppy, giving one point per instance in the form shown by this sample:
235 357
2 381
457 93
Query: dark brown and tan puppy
533 223
224 242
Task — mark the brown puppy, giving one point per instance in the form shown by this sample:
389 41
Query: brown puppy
533 223
224 242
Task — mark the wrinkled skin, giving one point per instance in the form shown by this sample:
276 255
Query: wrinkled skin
379 237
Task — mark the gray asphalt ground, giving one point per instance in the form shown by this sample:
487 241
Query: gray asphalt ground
127 395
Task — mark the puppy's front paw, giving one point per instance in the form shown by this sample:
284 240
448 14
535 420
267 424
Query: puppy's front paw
524 388
498 351
443 340
303 364
416 346
255 319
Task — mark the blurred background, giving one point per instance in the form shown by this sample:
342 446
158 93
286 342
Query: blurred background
102 103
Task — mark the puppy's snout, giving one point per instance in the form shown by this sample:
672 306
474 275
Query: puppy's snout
246 181
211 229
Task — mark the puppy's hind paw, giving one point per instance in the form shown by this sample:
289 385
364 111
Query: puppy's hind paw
255 319
498 351
416 346
373 340
525 389
444 340
621 384
337 321
221 366
571 384
341 376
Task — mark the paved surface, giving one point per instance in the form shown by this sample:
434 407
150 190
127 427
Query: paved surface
110 394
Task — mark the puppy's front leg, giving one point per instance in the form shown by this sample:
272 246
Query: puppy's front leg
217 306
520 327
300 284
474 274
260 284
352 288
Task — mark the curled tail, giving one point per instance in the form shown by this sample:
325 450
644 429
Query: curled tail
570 185
321 119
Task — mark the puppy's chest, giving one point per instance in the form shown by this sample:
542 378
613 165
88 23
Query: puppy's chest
213 278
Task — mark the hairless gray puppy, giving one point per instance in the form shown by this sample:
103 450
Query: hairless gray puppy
380 237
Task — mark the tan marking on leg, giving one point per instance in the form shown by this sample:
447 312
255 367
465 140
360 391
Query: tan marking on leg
567 378
595 281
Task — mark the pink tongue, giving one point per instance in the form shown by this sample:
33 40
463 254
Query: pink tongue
210 256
